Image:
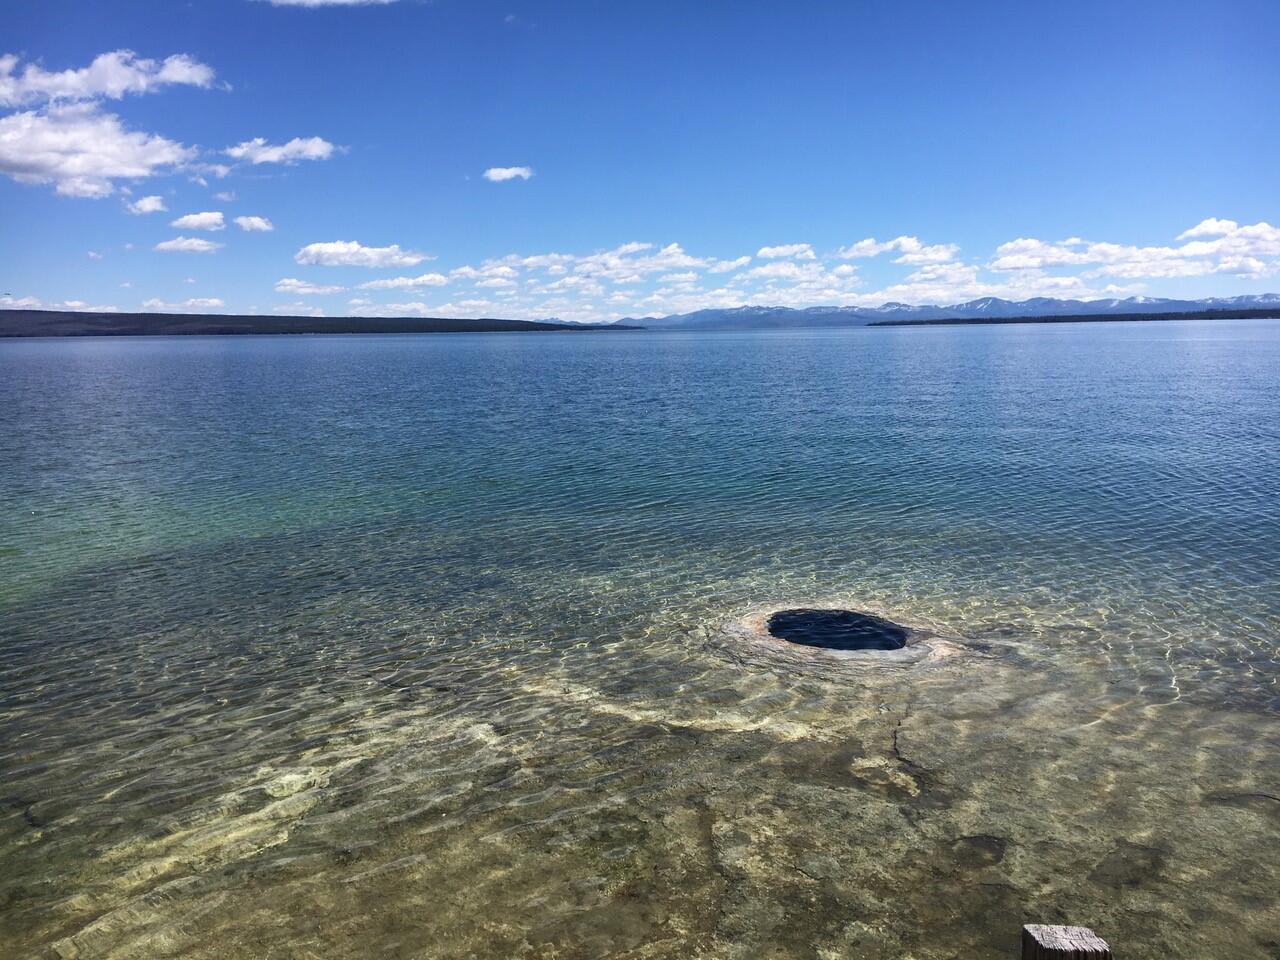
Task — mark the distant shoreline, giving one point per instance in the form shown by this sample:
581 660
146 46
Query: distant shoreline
67 323
33 324
1265 313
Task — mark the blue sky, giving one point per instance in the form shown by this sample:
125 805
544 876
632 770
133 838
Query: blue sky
659 157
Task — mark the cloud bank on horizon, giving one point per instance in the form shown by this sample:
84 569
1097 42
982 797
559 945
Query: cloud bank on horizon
69 135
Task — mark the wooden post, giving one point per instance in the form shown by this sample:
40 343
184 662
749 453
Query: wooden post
1043 942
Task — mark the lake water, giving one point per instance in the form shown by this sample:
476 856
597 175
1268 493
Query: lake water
442 646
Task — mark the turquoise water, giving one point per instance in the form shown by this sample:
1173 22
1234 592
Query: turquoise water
446 646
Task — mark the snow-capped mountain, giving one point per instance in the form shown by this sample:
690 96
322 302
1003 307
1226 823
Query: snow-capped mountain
756 318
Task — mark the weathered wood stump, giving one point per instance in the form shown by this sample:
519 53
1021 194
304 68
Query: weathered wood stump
1043 942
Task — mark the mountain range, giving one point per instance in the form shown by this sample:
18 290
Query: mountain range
986 308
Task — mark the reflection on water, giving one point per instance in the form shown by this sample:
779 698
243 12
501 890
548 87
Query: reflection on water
428 647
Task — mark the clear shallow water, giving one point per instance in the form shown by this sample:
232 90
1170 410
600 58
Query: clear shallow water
430 647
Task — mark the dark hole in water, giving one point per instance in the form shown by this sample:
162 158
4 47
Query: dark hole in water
837 630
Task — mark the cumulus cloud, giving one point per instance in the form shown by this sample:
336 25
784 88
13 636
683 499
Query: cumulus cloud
349 253
871 247
196 303
1246 251
70 143
187 245
491 268
469 308
298 309
142 205
81 151
801 251
938 253
257 150
1027 253
199 171
35 303
1212 227
304 288
255 224
110 76
499 174
639 279
208 220
728 266
633 260
547 261
20 303
398 283
786 270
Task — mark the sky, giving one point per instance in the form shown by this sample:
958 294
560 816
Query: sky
594 161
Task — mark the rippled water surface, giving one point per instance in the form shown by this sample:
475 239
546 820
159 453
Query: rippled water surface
442 646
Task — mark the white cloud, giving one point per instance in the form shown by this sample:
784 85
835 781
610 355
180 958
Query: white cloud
727 266
80 151
397 283
196 303
1235 249
255 224
21 303
304 288
187 245
258 150
462 308
622 265
640 279
801 251
152 204
872 247
225 196
1250 267
1212 227
938 253
490 268
216 170
499 174
1026 253
349 253
35 303
208 220
110 75
546 261
298 309
786 270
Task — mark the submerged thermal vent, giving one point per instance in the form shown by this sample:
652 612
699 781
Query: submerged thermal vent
837 630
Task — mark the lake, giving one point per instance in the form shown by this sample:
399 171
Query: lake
441 646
